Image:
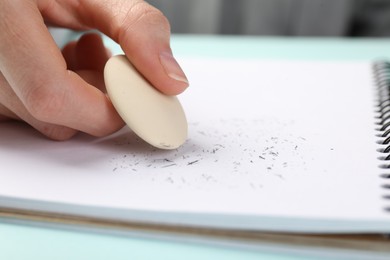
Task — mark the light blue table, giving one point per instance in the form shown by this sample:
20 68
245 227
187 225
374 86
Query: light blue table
30 241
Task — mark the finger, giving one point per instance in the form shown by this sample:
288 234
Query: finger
68 52
91 53
88 53
36 70
143 33
87 57
12 108
94 78
6 114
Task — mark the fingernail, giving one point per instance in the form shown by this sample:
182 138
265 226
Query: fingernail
172 68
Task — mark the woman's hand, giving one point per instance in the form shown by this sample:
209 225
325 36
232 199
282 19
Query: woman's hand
60 93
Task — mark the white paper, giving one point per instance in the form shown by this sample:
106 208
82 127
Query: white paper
273 145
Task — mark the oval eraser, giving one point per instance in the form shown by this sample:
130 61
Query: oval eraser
156 118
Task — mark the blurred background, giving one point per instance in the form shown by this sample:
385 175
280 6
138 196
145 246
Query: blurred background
364 18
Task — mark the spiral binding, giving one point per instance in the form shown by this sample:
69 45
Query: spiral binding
382 78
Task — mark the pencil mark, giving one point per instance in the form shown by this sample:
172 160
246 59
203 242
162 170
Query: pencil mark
168 165
193 162
170 180
202 133
233 153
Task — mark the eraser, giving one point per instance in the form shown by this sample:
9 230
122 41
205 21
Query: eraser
156 118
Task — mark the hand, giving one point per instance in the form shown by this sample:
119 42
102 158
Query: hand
60 93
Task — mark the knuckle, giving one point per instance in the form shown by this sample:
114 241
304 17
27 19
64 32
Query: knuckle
142 13
44 103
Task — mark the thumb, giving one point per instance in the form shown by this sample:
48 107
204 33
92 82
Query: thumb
143 32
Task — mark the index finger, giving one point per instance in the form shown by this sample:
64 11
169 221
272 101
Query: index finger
142 31
34 67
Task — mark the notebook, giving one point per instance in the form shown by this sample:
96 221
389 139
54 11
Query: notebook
290 147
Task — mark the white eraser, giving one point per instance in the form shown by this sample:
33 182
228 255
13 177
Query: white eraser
156 118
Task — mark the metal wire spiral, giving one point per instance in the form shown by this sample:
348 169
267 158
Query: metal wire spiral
382 78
